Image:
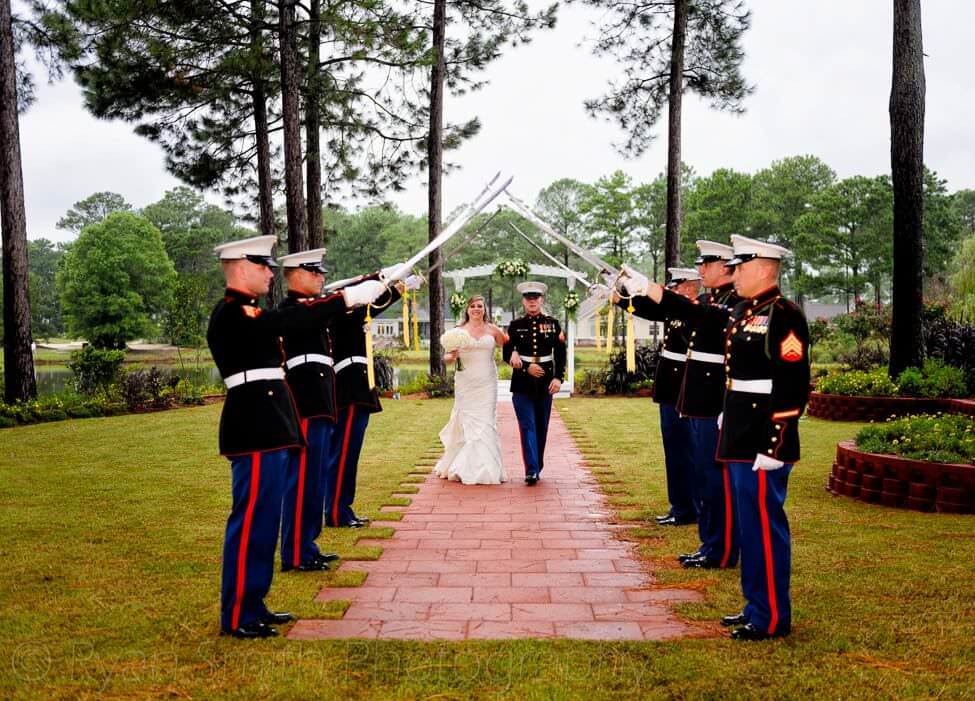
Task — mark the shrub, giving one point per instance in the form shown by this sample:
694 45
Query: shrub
950 342
416 385
862 383
56 408
616 380
143 389
382 365
933 437
589 382
95 370
934 379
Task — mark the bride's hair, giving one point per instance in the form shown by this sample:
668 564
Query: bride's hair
467 315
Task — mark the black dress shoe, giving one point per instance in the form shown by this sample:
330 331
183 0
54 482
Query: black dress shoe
662 517
361 519
353 524
327 557
254 630
750 632
531 480
702 562
276 618
688 556
674 521
735 619
313 566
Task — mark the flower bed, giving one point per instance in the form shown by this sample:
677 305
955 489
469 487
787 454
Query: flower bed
901 482
870 395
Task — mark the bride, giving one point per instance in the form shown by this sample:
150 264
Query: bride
472 449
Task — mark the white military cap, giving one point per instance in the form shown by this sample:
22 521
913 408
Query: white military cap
309 260
532 288
683 274
256 249
711 251
746 249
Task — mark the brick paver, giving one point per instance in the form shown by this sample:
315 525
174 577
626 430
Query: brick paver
508 561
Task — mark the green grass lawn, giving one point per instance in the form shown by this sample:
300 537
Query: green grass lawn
111 538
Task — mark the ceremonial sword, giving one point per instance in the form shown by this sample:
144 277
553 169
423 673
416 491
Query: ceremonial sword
552 258
588 256
487 196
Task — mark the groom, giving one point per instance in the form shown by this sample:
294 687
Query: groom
536 351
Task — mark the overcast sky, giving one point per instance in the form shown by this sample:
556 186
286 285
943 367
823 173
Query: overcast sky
821 71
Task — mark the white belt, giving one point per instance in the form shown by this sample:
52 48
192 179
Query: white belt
676 357
253 375
537 358
309 358
343 364
703 357
751 386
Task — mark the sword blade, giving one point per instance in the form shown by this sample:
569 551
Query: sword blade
487 196
548 255
585 254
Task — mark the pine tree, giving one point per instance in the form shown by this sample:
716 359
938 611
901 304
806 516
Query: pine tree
907 169
665 48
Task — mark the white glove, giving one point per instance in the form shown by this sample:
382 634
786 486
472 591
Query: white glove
634 283
608 279
720 420
413 282
364 293
599 290
764 462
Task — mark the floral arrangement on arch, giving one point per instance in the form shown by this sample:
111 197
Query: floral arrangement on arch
512 268
571 303
458 303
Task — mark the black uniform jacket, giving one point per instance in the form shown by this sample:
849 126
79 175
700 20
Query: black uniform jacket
670 370
259 415
312 383
702 392
766 340
535 336
347 335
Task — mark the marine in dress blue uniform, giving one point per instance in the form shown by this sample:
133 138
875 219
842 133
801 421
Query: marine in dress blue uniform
675 430
259 428
311 378
355 402
700 401
536 351
766 390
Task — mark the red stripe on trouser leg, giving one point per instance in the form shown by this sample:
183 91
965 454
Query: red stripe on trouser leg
244 537
341 471
769 563
299 500
728 515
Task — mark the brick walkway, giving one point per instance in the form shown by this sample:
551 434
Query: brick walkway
509 561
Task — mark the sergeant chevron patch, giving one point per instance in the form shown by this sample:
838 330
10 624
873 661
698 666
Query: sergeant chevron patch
791 348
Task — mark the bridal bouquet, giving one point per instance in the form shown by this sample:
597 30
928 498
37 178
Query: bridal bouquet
456 340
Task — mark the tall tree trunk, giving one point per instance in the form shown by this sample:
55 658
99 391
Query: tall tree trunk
313 149
18 358
291 115
672 241
265 186
907 170
435 178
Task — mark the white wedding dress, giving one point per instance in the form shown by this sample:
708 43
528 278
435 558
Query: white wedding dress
472 449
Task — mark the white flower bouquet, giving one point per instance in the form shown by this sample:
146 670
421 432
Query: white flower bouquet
456 340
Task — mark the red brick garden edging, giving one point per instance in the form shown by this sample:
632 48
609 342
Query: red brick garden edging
836 407
900 482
